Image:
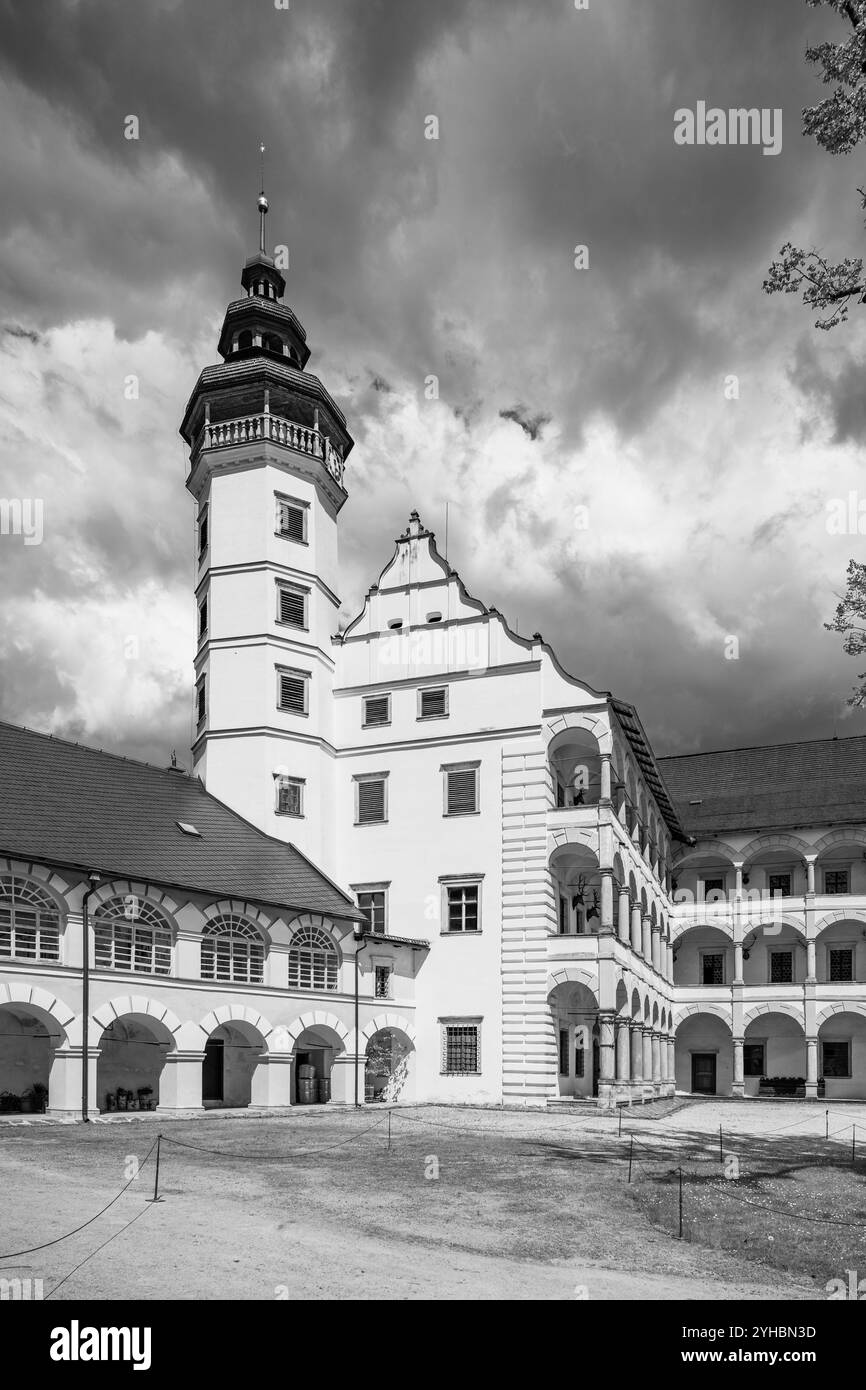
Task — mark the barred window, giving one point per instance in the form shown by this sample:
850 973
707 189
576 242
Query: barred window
130 933
382 987
835 880
841 963
713 968
232 951
461 1049
313 960
461 790
781 967
780 884
291 520
563 1052
29 920
463 907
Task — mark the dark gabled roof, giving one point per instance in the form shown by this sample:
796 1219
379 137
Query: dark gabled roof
66 804
821 782
648 764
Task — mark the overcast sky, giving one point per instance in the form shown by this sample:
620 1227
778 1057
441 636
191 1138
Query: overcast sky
560 389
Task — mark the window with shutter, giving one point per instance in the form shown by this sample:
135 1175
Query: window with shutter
202 619
200 702
292 606
371 801
293 693
461 798
377 709
291 521
202 533
433 703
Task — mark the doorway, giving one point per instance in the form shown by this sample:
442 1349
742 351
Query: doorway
213 1071
704 1073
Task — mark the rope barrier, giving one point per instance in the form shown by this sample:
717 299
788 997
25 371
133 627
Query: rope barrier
273 1158
15 1254
112 1237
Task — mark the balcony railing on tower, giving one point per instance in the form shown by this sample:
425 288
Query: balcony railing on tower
249 429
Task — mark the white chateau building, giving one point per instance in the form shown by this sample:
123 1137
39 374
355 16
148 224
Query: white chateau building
415 859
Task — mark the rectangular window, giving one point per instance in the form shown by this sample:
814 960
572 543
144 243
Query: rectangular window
563 916
291 606
377 710
841 963
371 802
835 880
202 618
383 982
781 967
753 1059
292 692
371 901
560 794
291 519
463 905
202 532
713 968
780 885
461 790
461 1049
433 704
200 703
290 796
836 1058
713 885
563 1052
579 1054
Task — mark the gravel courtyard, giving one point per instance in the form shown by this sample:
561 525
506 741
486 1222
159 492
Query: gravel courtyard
465 1204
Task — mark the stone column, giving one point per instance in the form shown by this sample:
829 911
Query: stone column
605 778
738 867
810 873
64 1082
180 1084
672 1062
623 916
636 1033
647 1053
811 971
656 1059
635 928
657 947
272 1081
606 1059
623 1052
738 1087
811 1068
738 963
606 905
646 943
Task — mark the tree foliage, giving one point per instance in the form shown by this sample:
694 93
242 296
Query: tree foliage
850 620
838 123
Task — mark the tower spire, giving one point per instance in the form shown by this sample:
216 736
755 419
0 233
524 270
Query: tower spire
263 203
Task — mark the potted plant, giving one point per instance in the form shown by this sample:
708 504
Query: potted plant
40 1097
144 1098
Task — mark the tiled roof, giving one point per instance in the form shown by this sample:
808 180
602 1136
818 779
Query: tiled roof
821 782
70 805
648 764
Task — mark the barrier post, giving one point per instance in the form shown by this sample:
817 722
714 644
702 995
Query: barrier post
156 1197
630 1156
681 1204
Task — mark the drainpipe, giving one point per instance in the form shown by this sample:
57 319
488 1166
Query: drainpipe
360 943
93 879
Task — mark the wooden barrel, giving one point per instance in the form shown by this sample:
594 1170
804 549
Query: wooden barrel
324 1089
307 1090
306 1069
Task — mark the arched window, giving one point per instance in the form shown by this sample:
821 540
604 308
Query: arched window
232 950
130 933
313 960
245 340
271 343
29 920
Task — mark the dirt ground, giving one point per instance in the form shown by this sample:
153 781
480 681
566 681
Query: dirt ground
465 1204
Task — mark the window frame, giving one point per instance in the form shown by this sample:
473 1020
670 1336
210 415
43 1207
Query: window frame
46 905
375 723
447 882
361 889
387 970
781 950
251 938
837 1042
107 918
294 673
360 777
203 523
787 871
287 586
836 869
445 1024
203 612
423 690
703 953
762 1044
283 499
703 879
281 779
447 769
330 967
851 947
201 700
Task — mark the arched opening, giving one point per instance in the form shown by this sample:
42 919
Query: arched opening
842 1056
703 956
703 1053
577 890
29 1038
245 340
840 953
774 1056
574 1009
315 1052
705 876
774 953
389 1067
575 767
132 1053
232 1054
841 869
271 343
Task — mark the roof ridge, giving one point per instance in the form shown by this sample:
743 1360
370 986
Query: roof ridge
102 752
758 747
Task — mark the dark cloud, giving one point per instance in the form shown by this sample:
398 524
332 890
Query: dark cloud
530 424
